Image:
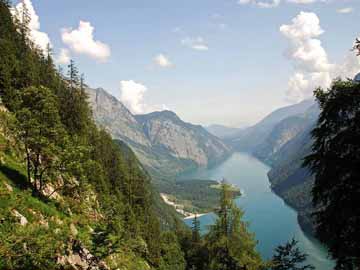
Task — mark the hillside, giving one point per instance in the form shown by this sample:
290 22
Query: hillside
70 196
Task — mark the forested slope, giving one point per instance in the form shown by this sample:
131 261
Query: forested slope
69 194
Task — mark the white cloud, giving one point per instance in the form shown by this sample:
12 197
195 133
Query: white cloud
82 41
345 10
261 3
303 1
162 61
312 66
310 60
349 67
132 95
197 43
40 39
275 3
64 57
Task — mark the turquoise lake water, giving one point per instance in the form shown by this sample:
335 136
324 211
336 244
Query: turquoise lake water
269 217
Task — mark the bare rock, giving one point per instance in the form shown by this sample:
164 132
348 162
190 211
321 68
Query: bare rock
23 221
8 187
73 230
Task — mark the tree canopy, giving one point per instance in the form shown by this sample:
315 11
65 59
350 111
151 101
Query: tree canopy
335 163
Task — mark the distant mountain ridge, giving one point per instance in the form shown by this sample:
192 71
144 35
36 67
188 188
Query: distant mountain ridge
164 143
222 131
250 138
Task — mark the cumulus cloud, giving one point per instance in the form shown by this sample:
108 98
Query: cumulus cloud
162 61
40 39
345 10
303 1
275 3
261 3
132 95
81 41
305 49
310 60
197 43
64 57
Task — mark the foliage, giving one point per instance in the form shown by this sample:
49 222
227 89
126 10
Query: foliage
99 184
197 195
289 257
335 163
230 244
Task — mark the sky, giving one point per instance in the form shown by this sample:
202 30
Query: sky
227 62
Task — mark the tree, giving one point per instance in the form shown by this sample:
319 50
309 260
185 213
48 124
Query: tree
75 110
289 257
196 230
230 245
335 164
357 46
40 130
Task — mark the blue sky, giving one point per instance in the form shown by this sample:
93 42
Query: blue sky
210 61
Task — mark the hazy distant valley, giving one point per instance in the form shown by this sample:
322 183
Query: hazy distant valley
167 146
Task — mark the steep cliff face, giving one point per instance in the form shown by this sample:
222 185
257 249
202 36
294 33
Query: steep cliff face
164 143
182 140
115 117
282 133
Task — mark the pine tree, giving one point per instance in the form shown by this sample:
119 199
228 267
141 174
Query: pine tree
335 164
195 230
289 257
229 244
40 130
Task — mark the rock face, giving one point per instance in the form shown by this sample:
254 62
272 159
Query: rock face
163 142
79 258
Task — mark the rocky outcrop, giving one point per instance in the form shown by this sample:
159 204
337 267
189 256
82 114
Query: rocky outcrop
80 258
22 219
161 140
182 140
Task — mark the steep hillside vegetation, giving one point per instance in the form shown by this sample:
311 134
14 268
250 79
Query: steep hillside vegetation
70 197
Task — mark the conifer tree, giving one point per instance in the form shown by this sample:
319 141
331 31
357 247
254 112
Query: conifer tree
289 257
335 164
40 130
196 229
230 245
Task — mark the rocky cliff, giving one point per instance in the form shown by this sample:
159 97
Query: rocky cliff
164 143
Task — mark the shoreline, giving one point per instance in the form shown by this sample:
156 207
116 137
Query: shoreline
180 208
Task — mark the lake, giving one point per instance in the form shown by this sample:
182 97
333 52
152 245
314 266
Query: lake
272 221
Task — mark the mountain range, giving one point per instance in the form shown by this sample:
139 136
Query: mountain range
164 143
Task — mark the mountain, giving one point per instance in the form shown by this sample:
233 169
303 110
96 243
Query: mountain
164 143
250 138
222 131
